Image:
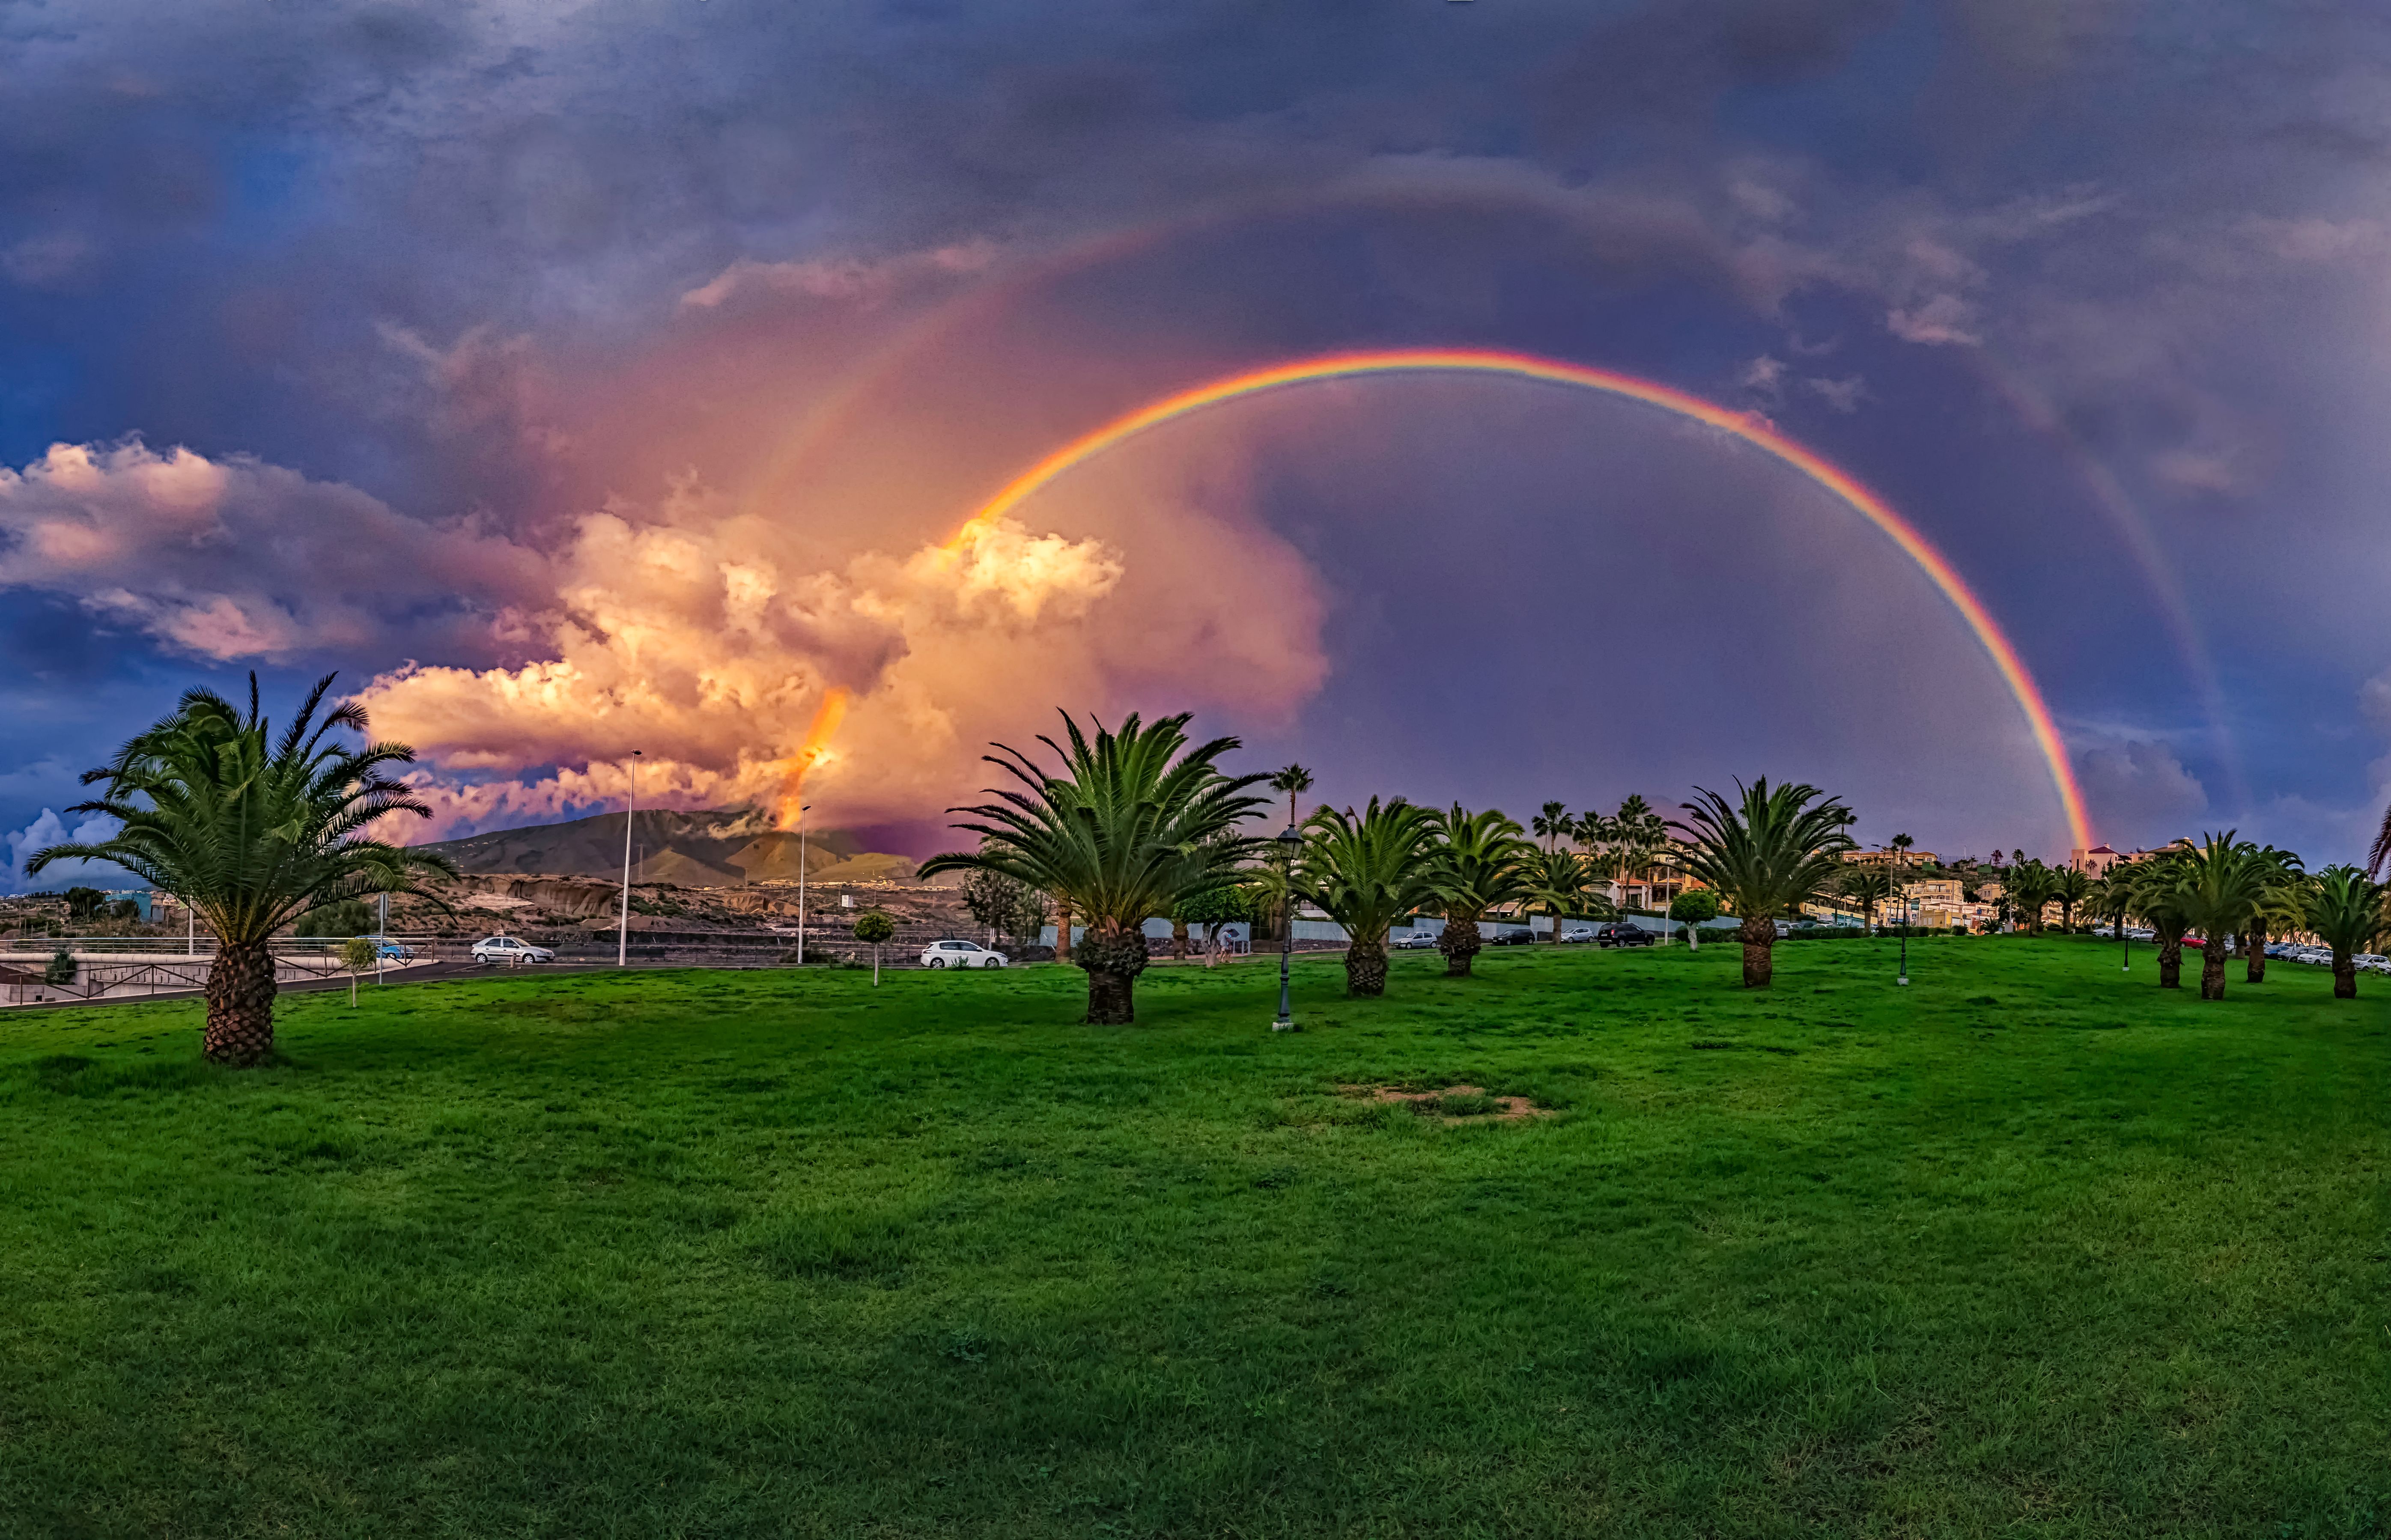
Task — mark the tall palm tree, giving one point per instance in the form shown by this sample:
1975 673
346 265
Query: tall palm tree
1901 846
2070 888
1135 822
1292 782
1633 839
1554 824
2156 887
2346 910
1867 886
252 833
2290 905
1366 871
1559 880
1775 849
1478 862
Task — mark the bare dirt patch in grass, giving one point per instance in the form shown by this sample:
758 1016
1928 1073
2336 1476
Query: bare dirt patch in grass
1451 1102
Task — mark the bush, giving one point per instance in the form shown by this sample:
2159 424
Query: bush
349 917
1853 933
1694 905
61 969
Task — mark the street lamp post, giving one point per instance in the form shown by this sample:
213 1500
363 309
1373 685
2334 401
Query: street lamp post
623 921
801 882
1288 844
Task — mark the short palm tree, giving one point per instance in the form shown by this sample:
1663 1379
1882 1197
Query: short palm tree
1765 855
2070 888
2345 912
1135 822
1478 862
1366 871
1560 882
2031 886
2156 892
2223 883
2290 905
253 832
1867 886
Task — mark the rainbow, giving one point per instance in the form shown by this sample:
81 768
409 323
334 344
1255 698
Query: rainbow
1752 429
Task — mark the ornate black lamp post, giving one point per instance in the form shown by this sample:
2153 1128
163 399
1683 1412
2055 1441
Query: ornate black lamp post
1288 844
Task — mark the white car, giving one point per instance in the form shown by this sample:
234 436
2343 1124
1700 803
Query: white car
506 948
960 954
1411 940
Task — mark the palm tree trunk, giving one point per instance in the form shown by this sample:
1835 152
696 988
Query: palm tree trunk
1759 935
1459 943
2212 968
2171 964
1114 956
2345 975
241 1004
1366 967
1177 938
1061 928
1557 927
2254 945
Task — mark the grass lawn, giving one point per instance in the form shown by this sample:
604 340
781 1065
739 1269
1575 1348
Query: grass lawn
2028 1249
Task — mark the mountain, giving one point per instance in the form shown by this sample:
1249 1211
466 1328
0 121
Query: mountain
718 848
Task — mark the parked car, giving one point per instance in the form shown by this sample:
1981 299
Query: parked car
507 949
1411 940
391 951
960 954
1578 933
1623 933
1511 935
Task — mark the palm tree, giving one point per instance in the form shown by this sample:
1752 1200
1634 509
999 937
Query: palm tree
2155 888
2291 904
2070 888
252 833
1478 863
1135 822
1868 887
1901 844
1293 781
2223 885
2345 912
1559 880
1366 871
1776 851
1554 824
2112 898
2031 886
1624 845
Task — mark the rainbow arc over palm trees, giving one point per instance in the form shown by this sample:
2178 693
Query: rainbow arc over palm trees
1751 429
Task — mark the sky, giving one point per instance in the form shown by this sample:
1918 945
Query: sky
578 379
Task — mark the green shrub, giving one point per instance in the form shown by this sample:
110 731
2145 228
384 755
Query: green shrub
61 969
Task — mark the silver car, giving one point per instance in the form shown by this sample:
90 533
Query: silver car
1411 940
507 949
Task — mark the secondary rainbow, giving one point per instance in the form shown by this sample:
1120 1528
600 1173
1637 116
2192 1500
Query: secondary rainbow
1752 430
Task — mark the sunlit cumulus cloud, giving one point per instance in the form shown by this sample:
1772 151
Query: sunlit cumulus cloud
713 658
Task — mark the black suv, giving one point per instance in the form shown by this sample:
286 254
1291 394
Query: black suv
1511 935
1623 935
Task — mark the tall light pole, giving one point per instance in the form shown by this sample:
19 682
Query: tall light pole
623 924
1288 844
801 882
1901 902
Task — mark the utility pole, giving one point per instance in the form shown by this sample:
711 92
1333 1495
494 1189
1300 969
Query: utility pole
623 924
802 808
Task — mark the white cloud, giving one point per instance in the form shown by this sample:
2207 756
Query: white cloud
50 829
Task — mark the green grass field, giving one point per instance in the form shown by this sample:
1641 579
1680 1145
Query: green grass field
2028 1249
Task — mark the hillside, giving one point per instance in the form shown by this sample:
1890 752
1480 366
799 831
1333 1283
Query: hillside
721 847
